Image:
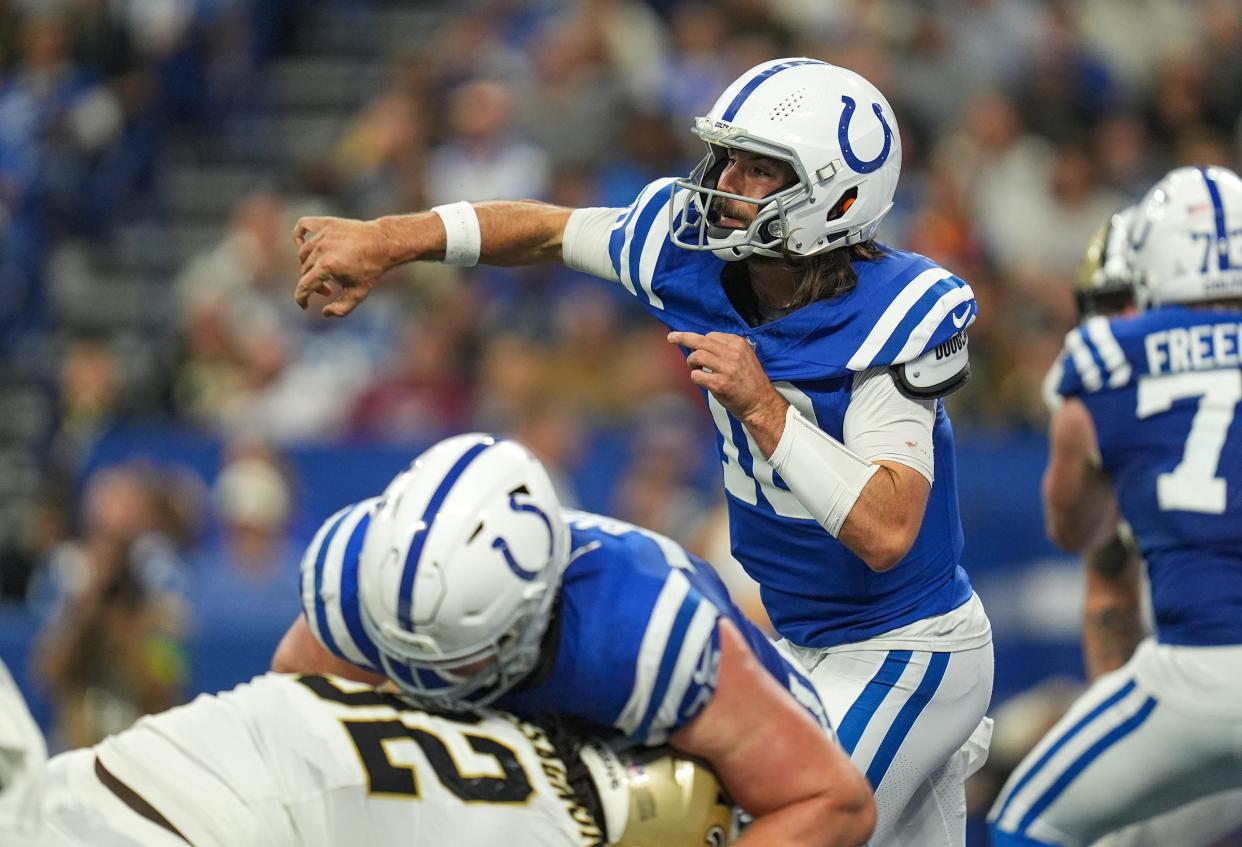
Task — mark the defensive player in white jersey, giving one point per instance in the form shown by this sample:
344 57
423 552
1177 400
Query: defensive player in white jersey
1148 430
823 357
318 761
467 583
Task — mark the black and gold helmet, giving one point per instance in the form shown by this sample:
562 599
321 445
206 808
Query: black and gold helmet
655 797
1105 284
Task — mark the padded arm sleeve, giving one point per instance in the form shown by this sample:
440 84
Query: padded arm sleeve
825 475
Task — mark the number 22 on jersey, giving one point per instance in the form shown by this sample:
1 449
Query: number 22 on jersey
1193 486
508 783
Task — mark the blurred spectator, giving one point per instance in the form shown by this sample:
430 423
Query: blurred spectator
482 158
110 650
697 69
1122 146
554 429
248 576
249 366
426 393
658 487
91 392
253 259
381 158
571 88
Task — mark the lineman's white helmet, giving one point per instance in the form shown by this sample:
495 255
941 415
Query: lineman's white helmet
832 126
1186 238
460 568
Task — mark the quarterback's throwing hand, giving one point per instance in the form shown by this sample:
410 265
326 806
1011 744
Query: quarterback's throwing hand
725 365
352 254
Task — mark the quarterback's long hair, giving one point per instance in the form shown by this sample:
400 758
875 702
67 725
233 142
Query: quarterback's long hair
828 274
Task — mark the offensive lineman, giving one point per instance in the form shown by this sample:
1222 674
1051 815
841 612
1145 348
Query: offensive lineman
823 357
466 583
1148 429
317 761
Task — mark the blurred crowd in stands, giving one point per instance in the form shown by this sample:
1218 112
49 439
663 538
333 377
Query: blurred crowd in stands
155 153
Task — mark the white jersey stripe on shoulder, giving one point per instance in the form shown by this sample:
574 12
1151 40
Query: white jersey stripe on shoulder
627 245
893 315
1101 334
1083 361
651 651
657 237
916 344
697 636
330 590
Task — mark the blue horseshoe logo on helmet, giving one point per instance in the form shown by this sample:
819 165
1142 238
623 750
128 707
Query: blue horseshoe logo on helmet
503 546
843 137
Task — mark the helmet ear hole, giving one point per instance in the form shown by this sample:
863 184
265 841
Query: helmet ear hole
847 199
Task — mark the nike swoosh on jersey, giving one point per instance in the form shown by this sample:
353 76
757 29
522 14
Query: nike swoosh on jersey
960 321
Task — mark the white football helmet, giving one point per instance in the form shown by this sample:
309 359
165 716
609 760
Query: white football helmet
460 568
832 126
1186 238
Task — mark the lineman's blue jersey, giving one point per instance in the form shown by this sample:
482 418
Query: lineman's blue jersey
639 643
1163 389
817 592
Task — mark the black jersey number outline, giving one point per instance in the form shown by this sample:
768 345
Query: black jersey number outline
371 738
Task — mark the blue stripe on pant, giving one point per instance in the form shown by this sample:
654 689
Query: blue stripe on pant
873 696
1019 835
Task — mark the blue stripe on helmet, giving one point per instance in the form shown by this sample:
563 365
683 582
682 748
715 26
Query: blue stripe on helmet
350 601
731 112
406 595
1222 234
321 611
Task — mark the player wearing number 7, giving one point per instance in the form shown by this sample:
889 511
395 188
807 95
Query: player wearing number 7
1148 430
823 357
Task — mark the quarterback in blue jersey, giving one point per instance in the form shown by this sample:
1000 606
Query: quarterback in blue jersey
1148 430
823 357
466 584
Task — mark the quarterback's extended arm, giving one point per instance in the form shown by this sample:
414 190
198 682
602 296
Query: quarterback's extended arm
774 760
354 254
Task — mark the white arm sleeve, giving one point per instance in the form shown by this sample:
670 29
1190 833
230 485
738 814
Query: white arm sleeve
584 246
883 423
825 475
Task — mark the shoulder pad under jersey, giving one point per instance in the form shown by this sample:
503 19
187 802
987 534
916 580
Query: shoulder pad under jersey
938 372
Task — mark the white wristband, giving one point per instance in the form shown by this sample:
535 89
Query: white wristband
463 240
825 475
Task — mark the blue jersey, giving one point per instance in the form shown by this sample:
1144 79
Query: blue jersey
817 592
1163 389
639 643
